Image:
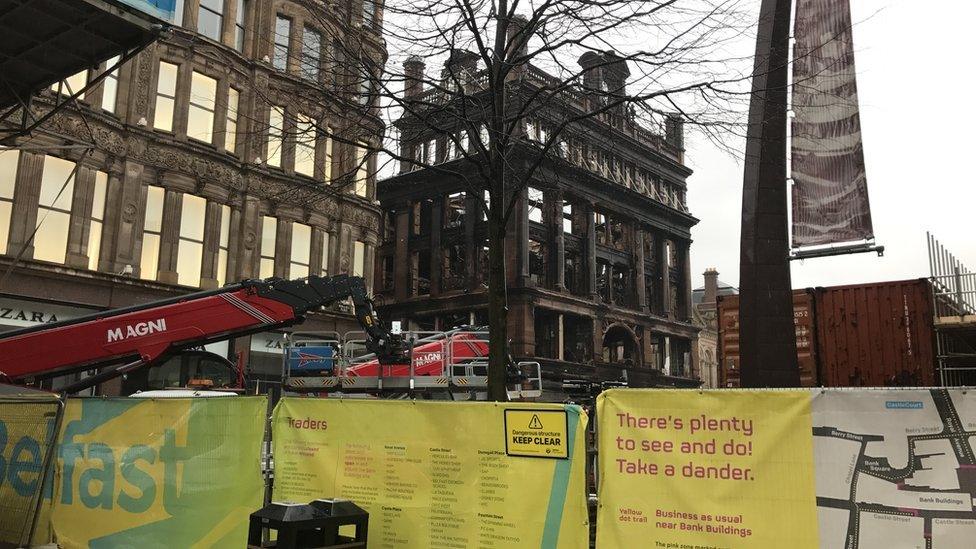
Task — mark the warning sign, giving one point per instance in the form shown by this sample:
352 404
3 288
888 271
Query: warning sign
536 433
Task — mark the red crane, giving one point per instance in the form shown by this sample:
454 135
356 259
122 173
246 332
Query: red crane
122 340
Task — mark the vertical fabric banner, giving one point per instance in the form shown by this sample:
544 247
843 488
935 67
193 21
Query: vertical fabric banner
440 474
830 194
158 473
724 469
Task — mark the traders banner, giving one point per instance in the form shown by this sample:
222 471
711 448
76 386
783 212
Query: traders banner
731 469
830 194
158 473
440 474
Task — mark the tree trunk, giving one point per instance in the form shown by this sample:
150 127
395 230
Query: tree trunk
497 305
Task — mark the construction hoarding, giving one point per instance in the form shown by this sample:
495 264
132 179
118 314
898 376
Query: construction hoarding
151 473
440 474
787 468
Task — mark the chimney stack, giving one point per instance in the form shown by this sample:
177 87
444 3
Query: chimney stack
413 76
517 32
711 287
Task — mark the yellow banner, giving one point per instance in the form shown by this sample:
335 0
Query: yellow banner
439 474
158 473
715 469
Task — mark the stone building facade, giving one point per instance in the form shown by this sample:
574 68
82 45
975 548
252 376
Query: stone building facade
233 148
599 271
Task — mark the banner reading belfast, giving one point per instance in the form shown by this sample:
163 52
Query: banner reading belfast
830 194
853 469
440 475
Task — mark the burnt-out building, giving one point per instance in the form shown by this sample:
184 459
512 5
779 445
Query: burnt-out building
598 252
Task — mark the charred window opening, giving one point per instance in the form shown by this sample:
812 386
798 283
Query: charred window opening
535 205
578 338
480 317
421 272
546 334
454 267
649 291
656 352
454 211
573 272
455 320
648 247
680 357
389 226
483 263
600 221
568 226
618 235
620 285
387 280
620 346
420 216
424 323
603 274
537 262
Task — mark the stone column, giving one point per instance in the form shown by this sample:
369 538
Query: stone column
112 221
315 259
685 298
335 246
556 261
369 259
23 215
590 255
472 249
282 248
170 238
401 254
80 224
245 239
436 251
211 246
127 197
639 270
664 287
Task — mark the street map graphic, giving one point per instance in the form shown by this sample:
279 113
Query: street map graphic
895 468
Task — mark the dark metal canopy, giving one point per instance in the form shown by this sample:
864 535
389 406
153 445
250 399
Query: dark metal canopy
45 41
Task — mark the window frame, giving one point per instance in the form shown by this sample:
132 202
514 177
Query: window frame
166 96
60 207
151 191
268 223
194 104
218 14
281 50
99 199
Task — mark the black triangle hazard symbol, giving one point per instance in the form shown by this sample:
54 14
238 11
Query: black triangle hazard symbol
535 423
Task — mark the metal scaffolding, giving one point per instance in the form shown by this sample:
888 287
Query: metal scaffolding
954 312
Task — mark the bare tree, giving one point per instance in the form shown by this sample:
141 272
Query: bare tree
523 84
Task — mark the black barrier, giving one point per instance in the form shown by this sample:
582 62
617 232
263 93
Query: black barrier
29 425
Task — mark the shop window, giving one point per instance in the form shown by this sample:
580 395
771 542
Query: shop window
72 84
151 232
165 96
240 28
97 220
281 37
359 258
301 248
269 239
311 54
223 245
8 178
230 134
362 169
189 256
203 101
276 128
54 210
369 14
305 145
210 19
110 85
327 169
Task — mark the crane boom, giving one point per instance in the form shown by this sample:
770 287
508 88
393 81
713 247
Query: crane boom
138 336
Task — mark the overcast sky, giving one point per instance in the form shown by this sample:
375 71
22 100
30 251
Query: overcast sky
917 118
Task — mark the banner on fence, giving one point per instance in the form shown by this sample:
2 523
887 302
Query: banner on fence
151 473
27 430
440 474
802 469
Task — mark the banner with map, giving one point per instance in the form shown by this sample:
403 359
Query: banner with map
850 468
830 193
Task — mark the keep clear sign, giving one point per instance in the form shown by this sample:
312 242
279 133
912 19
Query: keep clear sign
536 433
440 475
